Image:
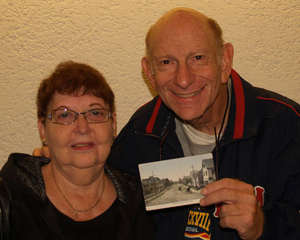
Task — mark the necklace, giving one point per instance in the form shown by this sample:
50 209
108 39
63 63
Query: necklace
217 137
76 211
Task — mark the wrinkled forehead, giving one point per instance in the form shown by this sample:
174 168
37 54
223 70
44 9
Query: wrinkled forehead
175 34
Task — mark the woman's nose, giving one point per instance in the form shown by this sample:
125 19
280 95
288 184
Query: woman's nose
82 126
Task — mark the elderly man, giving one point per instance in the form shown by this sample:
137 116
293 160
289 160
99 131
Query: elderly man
204 106
257 157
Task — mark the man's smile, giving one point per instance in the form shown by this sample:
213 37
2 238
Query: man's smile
188 95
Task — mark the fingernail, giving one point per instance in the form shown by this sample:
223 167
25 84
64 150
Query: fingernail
204 191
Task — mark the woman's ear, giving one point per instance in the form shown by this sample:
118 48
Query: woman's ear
44 150
227 59
41 127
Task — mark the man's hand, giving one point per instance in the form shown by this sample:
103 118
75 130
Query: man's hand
240 209
44 151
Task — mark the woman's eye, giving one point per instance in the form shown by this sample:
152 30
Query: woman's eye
96 113
64 115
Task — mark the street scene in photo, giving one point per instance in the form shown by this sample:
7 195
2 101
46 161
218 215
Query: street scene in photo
176 182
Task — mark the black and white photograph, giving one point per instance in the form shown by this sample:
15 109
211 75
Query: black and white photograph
176 182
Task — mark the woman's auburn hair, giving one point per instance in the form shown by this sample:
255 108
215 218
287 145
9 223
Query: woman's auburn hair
73 78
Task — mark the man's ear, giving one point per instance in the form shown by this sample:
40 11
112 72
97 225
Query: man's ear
147 70
227 59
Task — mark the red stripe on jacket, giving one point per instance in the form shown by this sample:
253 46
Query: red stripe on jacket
150 125
275 100
240 105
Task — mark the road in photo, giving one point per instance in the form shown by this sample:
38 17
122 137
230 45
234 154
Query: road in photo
176 193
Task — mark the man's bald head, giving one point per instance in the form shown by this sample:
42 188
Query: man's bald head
183 15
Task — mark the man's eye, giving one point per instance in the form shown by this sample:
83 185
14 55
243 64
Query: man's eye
198 57
165 61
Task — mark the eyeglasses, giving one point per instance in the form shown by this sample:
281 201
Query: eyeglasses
66 116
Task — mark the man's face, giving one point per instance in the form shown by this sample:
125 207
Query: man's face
186 71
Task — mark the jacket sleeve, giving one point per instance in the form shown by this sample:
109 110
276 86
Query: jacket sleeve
136 223
282 216
143 222
282 225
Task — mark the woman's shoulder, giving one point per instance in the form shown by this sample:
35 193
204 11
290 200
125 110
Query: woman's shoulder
125 183
117 174
24 171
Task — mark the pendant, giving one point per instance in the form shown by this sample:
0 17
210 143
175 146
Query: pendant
75 214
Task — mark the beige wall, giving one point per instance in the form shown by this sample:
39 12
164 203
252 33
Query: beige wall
36 35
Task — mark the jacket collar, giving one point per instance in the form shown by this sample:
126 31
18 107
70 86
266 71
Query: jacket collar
242 114
124 183
154 118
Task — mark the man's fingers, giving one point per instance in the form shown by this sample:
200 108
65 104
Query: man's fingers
227 183
45 151
225 195
37 152
229 210
41 152
249 224
240 209
229 191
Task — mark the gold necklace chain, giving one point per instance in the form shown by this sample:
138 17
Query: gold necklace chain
76 211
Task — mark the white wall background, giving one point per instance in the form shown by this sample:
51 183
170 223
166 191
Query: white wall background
35 35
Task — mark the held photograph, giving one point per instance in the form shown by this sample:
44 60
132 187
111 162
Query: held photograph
176 182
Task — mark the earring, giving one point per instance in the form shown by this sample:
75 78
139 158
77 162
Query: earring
44 142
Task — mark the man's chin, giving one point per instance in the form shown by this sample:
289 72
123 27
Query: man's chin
187 115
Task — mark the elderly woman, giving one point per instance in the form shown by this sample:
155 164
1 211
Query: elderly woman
76 194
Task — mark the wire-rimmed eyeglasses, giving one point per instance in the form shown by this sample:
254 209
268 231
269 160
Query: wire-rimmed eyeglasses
66 116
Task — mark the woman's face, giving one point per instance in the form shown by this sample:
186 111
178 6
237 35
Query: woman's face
80 145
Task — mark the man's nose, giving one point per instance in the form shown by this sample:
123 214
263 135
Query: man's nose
184 76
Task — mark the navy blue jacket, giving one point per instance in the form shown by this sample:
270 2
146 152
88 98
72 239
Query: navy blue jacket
260 146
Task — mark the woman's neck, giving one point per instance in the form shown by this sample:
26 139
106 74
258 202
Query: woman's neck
75 192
